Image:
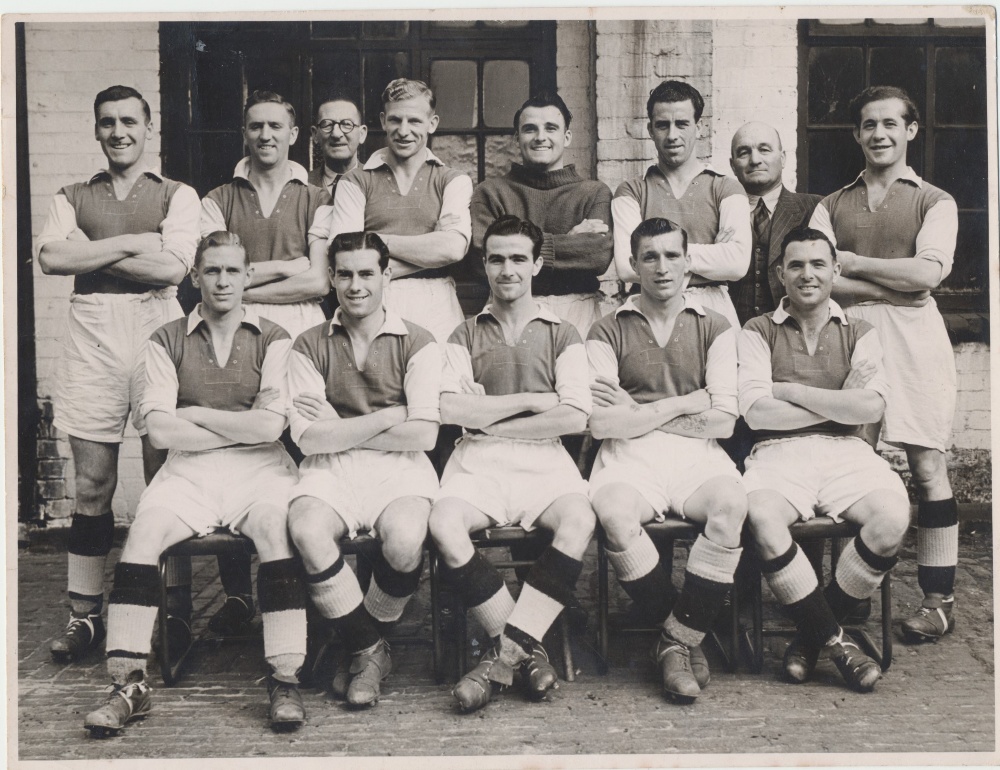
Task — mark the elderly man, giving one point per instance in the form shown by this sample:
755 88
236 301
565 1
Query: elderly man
338 133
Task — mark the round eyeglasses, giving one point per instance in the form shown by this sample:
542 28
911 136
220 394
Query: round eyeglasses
346 126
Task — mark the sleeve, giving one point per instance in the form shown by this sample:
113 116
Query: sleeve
303 377
422 384
180 230
938 234
457 362
59 223
455 216
601 355
319 221
483 210
720 373
754 368
572 376
274 373
869 348
821 221
160 393
212 218
626 216
726 261
588 253
348 215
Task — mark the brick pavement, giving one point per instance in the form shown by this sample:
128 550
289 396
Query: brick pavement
935 698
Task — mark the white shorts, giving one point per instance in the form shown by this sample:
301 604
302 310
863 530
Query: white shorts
581 310
102 372
716 298
666 469
819 475
219 487
294 318
360 483
920 369
428 302
511 480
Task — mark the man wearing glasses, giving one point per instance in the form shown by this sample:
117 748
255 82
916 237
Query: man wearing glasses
337 133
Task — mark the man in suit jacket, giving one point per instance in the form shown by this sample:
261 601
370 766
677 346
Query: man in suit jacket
758 161
337 133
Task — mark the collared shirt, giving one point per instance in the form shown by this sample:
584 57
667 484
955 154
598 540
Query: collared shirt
701 353
915 219
548 357
369 199
711 203
286 232
770 200
154 204
323 177
755 297
403 368
182 368
772 349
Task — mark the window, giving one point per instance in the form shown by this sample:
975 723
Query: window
942 65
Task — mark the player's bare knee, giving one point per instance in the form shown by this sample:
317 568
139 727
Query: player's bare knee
305 524
268 527
887 529
621 527
576 529
929 470
94 492
403 542
448 530
728 509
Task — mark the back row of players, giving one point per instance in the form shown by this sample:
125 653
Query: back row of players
365 385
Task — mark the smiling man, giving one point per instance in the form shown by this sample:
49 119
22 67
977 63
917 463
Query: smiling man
338 132
895 236
215 397
128 236
810 379
573 213
711 208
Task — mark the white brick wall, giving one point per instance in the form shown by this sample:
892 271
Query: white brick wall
754 77
67 64
972 411
574 73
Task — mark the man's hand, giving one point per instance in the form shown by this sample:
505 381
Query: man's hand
785 391
725 235
698 401
77 235
607 392
314 406
543 402
265 397
296 266
910 298
145 243
859 376
189 413
589 226
471 388
848 261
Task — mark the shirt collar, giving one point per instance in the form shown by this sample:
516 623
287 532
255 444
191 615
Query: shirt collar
781 314
250 316
770 200
393 324
332 176
379 159
630 305
907 176
299 173
541 312
104 174
705 169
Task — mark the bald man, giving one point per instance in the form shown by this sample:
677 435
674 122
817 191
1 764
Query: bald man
758 161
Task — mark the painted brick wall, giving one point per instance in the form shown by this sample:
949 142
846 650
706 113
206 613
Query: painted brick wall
67 64
972 411
574 80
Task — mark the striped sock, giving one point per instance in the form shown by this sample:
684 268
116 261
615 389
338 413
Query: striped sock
643 578
708 578
937 546
859 572
483 593
90 541
793 581
337 596
131 614
547 589
283 611
390 590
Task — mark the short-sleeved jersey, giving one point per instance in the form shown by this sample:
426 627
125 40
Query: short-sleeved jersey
772 349
548 357
182 368
282 235
94 209
701 353
403 368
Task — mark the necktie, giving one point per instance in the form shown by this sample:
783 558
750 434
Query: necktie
762 225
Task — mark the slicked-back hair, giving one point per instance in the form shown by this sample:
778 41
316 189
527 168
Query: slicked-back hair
119 94
359 241
803 234
508 224
263 97
216 239
652 227
876 94
544 99
339 96
676 91
401 89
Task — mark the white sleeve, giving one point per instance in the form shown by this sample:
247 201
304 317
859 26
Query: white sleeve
422 384
754 371
211 218
59 223
160 393
938 234
180 229
626 217
274 374
455 200
303 377
869 348
457 364
572 381
726 261
348 214
720 373
603 361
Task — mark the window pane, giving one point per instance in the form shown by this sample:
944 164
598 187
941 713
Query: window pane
505 88
501 151
960 166
458 152
961 86
215 156
970 272
380 69
216 91
334 73
336 30
835 160
385 30
454 84
901 66
836 74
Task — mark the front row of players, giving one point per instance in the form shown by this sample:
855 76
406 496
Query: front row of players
366 391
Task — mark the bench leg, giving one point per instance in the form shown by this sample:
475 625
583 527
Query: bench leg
566 648
603 663
436 618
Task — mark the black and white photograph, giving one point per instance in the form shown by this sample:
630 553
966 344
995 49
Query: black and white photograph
573 387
